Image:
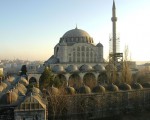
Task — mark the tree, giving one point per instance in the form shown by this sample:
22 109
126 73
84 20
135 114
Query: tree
111 71
1 73
126 75
46 78
23 70
60 81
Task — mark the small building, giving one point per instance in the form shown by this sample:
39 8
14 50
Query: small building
32 108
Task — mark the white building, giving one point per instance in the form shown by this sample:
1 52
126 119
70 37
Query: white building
76 47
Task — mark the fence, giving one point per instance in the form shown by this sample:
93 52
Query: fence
94 106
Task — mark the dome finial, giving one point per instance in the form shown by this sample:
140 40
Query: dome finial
76 26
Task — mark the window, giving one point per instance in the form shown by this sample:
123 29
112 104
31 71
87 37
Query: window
69 59
83 48
91 54
87 49
87 54
27 106
78 48
83 59
78 59
83 54
78 54
36 105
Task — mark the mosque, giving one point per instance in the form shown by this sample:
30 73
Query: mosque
77 53
76 47
76 58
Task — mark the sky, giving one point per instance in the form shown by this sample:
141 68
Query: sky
30 29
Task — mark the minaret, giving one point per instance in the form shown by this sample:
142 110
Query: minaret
114 20
115 57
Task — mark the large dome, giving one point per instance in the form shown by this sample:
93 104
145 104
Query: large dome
76 33
76 36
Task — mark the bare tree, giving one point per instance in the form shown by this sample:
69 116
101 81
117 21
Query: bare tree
126 75
111 71
57 104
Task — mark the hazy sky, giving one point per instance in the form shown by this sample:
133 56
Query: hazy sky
29 29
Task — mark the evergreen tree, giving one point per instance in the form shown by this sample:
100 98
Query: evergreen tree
23 70
47 78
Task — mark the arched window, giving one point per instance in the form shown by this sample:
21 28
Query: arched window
78 59
83 48
91 54
78 48
74 56
95 58
87 49
83 54
78 54
69 59
87 54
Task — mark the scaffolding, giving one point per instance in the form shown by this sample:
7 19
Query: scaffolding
115 58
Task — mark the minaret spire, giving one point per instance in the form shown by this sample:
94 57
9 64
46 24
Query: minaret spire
114 6
114 20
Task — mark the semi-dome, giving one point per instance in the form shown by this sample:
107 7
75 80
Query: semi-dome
86 68
16 91
52 90
58 69
99 45
99 68
76 36
11 79
72 68
9 98
24 81
112 88
84 90
110 67
21 89
4 85
36 91
136 86
1 88
70 90
98 89
124 86
146 85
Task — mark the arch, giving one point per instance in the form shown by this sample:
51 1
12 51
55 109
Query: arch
89 79
36 76
75 81
60 80
33 81
102 78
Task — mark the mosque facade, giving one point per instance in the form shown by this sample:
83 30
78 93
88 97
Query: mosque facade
76 47
77 55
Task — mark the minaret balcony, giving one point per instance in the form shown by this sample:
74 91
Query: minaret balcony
114 19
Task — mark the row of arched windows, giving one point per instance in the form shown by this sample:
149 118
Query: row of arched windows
77 39
82 54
